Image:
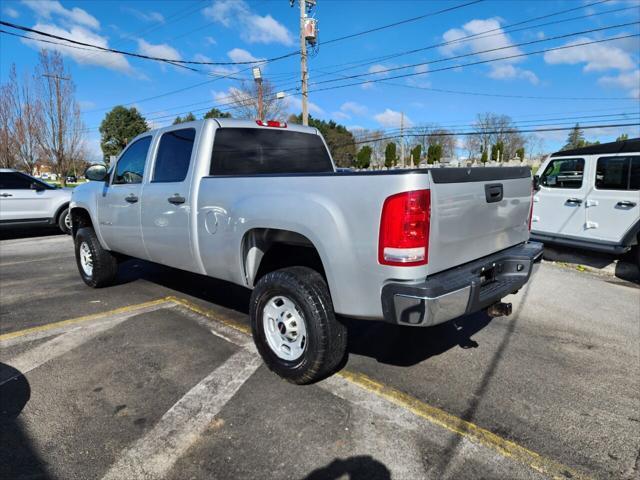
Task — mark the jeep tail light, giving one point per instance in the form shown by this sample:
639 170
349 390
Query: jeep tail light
531 208
404 229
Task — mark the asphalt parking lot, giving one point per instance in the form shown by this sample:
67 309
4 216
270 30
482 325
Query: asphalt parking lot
156 377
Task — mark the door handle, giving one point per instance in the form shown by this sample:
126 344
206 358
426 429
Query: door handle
6 195
574 201
626 203
131 198
176 199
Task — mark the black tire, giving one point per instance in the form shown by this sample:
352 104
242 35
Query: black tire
326 339
62 223
104 263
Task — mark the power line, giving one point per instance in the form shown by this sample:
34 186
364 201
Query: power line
479 62
507 47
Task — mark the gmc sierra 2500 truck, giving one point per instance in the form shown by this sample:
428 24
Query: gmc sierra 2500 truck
261 204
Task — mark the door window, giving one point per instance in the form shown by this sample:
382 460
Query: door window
130 167
15 181
563 173
174 155
618 173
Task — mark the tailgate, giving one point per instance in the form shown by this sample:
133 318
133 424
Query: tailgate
476 212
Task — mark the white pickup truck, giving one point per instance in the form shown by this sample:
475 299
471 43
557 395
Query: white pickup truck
261 204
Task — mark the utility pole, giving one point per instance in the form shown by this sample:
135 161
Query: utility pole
257 76
303 63
402 138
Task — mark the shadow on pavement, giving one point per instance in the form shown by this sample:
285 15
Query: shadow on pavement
407 346
18 458
13 233
363 467
623 267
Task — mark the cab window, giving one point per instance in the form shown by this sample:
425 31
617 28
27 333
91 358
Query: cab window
130 167
618 173
174 155
563 173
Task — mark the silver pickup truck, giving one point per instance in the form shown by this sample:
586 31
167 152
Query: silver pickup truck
261 204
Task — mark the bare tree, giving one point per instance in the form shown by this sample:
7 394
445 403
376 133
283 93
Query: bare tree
61 139
8 144
492 129
433 134
245 101
373 139
27 115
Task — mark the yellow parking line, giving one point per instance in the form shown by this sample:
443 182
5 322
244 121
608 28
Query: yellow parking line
85 318
464 428
471 431
241 327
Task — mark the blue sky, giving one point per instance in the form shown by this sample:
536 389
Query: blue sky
244 30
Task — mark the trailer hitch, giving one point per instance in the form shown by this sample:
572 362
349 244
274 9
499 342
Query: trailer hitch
499 309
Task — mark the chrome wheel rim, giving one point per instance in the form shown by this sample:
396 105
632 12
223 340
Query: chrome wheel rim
86 260
284 328
67 221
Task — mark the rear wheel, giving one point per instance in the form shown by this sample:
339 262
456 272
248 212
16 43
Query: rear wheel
98 267
64 221
294 326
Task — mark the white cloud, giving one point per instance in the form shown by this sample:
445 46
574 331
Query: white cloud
499 70
240 55
161 50
340 115
10 12
392 119
47 8
379 69
629 81
155 17
596 57
508 71
353 108
254 28
294 104
113 61
210 41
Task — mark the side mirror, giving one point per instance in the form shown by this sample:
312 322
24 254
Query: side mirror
37 187
536 183
97 173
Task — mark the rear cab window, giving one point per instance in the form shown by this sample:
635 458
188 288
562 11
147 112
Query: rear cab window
250 151
563 173
174 156
618 173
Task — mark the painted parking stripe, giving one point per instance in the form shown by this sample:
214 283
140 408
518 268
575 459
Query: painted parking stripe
50 329
350 386
43 353
153 455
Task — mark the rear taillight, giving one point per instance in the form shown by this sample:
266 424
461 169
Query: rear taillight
404 229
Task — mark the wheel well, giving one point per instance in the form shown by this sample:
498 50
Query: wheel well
267 249
80 218
61 209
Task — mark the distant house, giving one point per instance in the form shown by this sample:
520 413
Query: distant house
43 168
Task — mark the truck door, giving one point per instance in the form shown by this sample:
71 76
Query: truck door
613 206
167 201
119 204
559 205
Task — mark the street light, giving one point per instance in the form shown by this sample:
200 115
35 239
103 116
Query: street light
257 76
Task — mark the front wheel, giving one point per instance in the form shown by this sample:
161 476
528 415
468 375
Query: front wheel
294 326
64 221
98 267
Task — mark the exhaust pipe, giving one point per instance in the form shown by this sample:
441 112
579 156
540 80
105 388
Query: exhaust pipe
499 309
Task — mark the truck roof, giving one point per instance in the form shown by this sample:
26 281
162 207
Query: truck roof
624 146
236 123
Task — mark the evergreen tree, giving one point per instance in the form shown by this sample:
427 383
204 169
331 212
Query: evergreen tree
416 152
575 138
118 128
363 159
189 117
390 158
215 113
